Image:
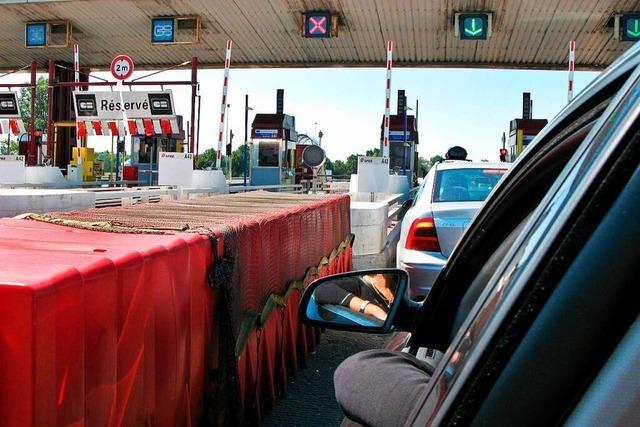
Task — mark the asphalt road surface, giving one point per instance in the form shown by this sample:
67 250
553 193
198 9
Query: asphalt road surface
310 398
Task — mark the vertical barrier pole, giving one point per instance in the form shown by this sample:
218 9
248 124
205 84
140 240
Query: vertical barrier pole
572 65
194 93
385 138
223 108
245 155
50 130
76 63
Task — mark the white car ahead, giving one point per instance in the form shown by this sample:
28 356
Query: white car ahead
443 208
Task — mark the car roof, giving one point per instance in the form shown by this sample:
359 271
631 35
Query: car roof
461 164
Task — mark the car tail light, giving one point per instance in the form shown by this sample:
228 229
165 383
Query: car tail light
422 236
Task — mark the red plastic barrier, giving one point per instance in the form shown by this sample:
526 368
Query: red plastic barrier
119 329
101 334
277 348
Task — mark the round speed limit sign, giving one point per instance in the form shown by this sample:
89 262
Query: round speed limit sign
122 67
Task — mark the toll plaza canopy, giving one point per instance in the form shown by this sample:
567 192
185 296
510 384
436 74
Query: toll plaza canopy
269 33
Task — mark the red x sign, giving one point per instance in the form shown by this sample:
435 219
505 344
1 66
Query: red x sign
318 25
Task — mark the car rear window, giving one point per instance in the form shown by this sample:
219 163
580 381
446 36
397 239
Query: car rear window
465 185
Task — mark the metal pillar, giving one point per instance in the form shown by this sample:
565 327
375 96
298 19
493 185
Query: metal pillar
245 166
194 93
31 150
50 129
404 140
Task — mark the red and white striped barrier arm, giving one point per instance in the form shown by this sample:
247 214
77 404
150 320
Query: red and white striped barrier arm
76 63
387 103
16 126
572 66
12 126
135 127
81 129
223 108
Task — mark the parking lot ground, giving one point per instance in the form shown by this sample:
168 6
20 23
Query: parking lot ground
310 399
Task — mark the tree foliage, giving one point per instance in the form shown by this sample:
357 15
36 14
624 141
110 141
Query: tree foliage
9 148
350 165
207 159
108 165
24 101
425 165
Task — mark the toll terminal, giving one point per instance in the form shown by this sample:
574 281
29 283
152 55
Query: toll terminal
523 130
403 140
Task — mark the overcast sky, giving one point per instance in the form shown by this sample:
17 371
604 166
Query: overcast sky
468 107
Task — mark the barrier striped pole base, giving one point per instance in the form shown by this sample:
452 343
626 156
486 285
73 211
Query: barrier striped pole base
223 107
387 104
76 63
572 66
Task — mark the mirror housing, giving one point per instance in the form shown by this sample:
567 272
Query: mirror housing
371 301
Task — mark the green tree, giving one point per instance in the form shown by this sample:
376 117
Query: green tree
351 164
426 164
9 149
107 162
339 168
328 164
237 159
207 159
41 104
373 153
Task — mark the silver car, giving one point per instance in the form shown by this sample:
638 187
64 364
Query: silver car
443 208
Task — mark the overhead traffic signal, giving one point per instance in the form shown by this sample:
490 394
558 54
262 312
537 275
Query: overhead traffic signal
473 26
629 26
503 154
320 25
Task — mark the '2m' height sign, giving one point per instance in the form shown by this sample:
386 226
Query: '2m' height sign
122 67
113 105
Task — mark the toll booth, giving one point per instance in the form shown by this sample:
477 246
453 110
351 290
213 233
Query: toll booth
521 133
403 144
145 149
273 138
403 140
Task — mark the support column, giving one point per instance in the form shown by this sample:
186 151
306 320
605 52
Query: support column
31 148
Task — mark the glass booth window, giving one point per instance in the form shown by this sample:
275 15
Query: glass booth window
268 153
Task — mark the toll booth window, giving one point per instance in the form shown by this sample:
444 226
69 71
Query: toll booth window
268 153
465 185
397 156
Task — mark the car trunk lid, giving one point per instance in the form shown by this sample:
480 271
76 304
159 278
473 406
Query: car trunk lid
451 219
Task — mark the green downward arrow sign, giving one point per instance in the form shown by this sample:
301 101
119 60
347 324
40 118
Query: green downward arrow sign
474 30
635 32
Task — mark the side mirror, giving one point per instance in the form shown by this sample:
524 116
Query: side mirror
362 301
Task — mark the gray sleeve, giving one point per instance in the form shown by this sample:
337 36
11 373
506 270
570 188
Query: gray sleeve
380 387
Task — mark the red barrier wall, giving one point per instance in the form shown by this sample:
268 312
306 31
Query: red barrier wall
123 329
101 329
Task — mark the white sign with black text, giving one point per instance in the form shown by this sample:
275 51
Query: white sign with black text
113 105
9 107
12 170
175 169
373 174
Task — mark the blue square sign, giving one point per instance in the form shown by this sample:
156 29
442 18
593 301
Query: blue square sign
36 34
163 30
317 24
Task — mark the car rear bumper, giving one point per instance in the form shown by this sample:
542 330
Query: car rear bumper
422 274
